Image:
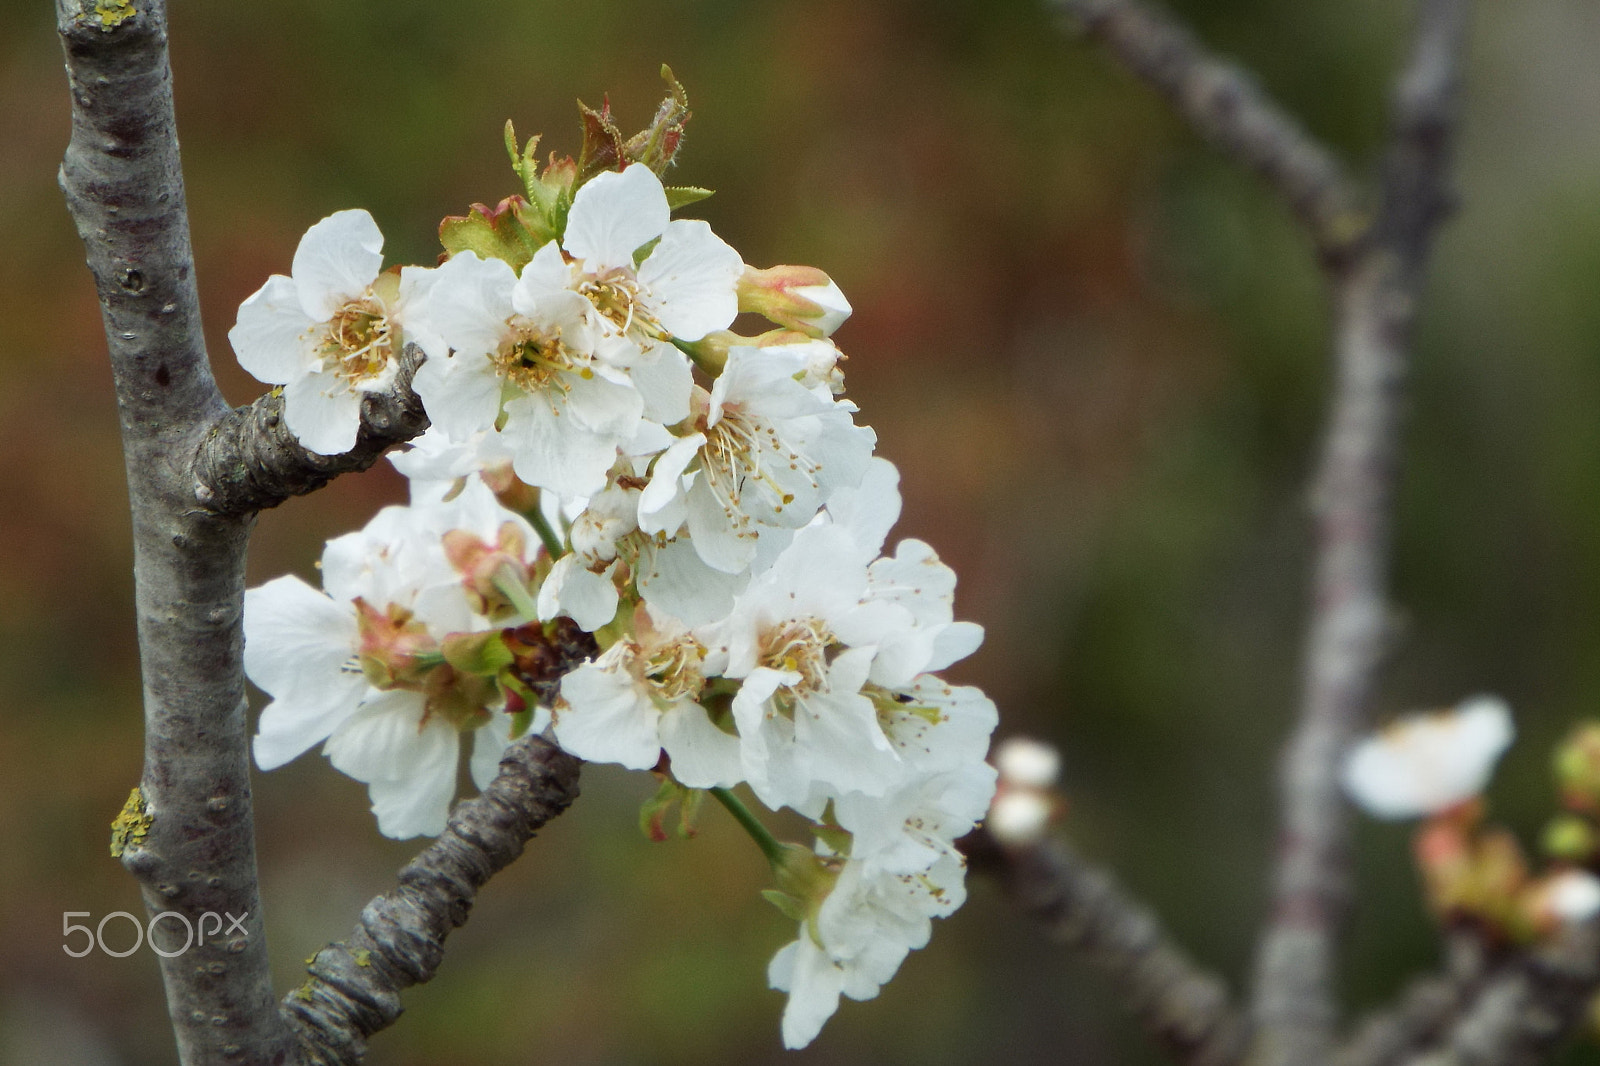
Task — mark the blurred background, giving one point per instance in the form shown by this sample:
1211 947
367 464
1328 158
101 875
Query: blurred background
1097 353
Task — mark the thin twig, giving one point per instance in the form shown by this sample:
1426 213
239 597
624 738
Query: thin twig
1527 1007
1231 112
354 987
1375 297
1424 1009
187 835
1185 1008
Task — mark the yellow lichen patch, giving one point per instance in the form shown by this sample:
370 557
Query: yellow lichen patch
132 825
363 957
113 12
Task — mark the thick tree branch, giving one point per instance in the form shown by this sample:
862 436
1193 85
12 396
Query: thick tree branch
1185 1008
354 987
248 460
188 835
1231 112
1375 296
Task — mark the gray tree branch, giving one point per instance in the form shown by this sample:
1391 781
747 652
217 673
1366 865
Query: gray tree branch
354 987
1185 1008
1525 1008
1423 1010
248 460
1376 293
1231 112
188 836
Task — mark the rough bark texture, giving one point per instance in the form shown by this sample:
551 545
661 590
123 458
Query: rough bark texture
1225 107
1376 293
1524 1008
196 854
354 988
249 461
1185 1008
1424 1009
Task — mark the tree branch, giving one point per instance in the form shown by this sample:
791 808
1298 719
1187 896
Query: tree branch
354 987
1231 113
187 834
1525 1009
1185 1008
248 460
1425 1008
1376 295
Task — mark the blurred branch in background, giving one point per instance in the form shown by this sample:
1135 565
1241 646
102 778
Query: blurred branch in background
1186 1009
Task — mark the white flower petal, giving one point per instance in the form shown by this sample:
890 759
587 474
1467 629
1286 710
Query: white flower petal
1427 763
703 756
664 381
270 335
323 413
813 983
607 718
336 260
692 277
409 765
588 598
613 215
489 743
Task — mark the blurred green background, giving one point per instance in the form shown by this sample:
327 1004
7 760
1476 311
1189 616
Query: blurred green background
1097 354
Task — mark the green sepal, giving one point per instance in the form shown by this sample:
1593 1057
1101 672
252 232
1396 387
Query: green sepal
509 231
787 905
653 812
689 812
657 144
483 654
684 195
838 840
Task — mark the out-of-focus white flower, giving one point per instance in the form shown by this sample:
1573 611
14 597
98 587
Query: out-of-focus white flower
330 332
1029 763
1025 802
1572 895
1426 763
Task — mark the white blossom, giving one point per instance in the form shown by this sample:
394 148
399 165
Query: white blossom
862 932
1427 763
330 332
526 366
640 698
358 665
682 289
767 454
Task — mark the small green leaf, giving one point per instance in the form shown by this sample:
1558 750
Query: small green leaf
602 142
508 231
684 195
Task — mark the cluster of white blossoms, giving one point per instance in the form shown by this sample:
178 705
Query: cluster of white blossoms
606 456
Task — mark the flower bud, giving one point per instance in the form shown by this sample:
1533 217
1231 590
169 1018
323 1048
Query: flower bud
1570 838
1577 765
797 297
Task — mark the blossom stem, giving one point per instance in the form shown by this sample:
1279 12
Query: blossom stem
512 587
759 833
541 525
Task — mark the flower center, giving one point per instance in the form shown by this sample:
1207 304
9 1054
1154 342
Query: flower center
617 297
359 341
745 453
534 357
674 669
800 646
